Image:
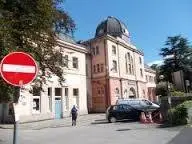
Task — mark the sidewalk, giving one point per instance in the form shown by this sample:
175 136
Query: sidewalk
65 122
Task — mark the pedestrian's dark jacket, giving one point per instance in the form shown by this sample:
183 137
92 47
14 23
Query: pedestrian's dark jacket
74 113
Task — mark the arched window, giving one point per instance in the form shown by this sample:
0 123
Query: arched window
129 64
132 68
128 57
132 93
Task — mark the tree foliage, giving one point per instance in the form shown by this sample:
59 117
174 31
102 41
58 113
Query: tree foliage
157 69
32 26
179 48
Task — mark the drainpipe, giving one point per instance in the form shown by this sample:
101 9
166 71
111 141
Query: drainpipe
136 75
90 109
107 85
120 79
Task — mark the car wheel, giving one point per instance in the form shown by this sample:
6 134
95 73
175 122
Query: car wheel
113 119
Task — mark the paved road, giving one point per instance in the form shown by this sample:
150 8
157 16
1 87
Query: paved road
98 131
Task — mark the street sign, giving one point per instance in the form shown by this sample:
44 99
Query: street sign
18 68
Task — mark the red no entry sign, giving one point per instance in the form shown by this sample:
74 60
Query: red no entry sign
18 68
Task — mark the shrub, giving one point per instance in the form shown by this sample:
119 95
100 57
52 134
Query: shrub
177 93
178 115
188 104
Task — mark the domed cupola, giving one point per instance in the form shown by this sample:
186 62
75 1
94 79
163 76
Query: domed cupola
113 27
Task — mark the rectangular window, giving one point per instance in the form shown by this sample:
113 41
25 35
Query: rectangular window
66 92
114 66
66 61
140 60
114 50
36 99
36 104
57 91
93 51
94 69
75 62
49 99
130 69
97 50
126 67
98 68
75 92
141 72
49 92
102 67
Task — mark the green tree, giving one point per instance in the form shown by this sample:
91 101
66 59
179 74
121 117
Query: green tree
157 68
177 47
32 26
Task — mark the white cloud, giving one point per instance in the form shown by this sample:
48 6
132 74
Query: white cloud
158 62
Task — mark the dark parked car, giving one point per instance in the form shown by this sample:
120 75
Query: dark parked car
122 112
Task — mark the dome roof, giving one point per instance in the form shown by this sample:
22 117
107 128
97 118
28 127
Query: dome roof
113 27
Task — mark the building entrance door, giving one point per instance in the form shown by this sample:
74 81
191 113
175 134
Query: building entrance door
58 108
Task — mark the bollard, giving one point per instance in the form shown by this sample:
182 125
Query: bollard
150 118
142 117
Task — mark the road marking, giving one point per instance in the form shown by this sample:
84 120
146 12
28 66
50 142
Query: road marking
18 68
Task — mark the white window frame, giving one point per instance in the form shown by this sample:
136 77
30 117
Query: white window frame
78 92
114 68
76 62
34 111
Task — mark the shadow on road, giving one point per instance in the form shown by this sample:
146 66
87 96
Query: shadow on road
123 129
104 121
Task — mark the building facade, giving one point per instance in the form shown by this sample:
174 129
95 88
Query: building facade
97 72
117 67
56 100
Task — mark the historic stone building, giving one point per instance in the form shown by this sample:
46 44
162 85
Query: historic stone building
116 66
97 72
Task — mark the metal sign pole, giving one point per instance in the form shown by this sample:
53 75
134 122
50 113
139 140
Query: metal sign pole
16 114
16 123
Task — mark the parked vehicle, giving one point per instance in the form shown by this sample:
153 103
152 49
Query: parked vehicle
122 112
140 104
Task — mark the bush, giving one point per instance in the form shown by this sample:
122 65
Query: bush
188 104
179 115
177 93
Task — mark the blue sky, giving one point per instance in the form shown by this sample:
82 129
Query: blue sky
149 21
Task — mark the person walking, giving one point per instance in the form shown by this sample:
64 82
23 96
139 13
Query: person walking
74 115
